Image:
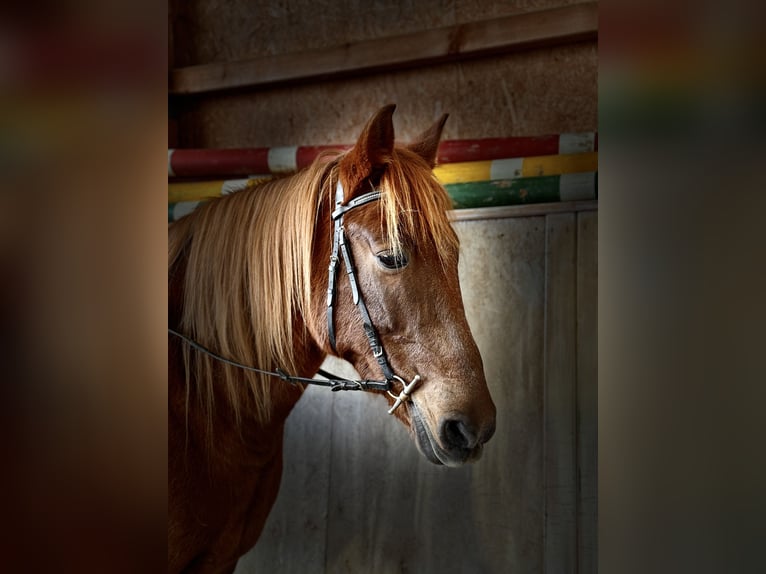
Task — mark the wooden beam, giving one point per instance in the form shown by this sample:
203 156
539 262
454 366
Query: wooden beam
587 392
530 210
560 395
566 24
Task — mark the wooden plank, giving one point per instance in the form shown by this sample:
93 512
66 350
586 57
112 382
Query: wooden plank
502 276
560 395
487 213
587 392
566 24
386 510
386 502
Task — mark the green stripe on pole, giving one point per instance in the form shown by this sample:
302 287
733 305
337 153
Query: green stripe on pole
510 192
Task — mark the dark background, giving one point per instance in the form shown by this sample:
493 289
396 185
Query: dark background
681 283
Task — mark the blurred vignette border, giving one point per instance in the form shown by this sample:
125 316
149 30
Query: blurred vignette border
682 89
83 112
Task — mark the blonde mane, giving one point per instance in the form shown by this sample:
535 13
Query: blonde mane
247 277
414 205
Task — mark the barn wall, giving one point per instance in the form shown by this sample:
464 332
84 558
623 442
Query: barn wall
356 495
225 30
533 92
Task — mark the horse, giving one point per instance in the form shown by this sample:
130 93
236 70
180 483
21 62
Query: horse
250 300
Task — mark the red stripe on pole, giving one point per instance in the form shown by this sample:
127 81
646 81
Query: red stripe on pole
453 151
207 162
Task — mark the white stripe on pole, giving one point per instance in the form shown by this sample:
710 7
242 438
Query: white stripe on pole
283 159
506 168
184 208
232 185
577 186
577 143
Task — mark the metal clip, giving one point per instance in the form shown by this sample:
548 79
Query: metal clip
404 395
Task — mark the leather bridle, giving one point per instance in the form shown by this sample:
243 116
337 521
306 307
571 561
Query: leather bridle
340 250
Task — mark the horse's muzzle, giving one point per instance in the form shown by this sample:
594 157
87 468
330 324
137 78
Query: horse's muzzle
460 441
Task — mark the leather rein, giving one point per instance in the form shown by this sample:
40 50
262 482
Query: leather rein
340 250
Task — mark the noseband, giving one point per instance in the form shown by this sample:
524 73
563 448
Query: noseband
339 246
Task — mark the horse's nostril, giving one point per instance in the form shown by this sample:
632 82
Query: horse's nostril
458 433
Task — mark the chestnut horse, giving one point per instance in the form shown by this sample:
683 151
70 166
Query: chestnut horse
248 279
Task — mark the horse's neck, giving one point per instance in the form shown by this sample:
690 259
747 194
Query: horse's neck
233 440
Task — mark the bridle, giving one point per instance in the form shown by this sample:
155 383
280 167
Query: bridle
339 247
339 244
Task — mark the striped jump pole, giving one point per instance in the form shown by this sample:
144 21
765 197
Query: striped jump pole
457 151
198 190
519 191
514 168
217 163
546 189
499 169
178 209
232 162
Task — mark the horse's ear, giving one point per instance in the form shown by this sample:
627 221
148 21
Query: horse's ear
372 151
426 145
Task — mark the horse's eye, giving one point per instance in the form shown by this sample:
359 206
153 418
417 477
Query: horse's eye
392 261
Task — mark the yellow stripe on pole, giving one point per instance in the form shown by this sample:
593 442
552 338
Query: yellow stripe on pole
560 164
513 168
198 190
463 172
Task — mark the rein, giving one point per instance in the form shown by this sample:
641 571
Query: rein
336 383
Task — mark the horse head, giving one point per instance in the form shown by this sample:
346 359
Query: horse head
405 255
